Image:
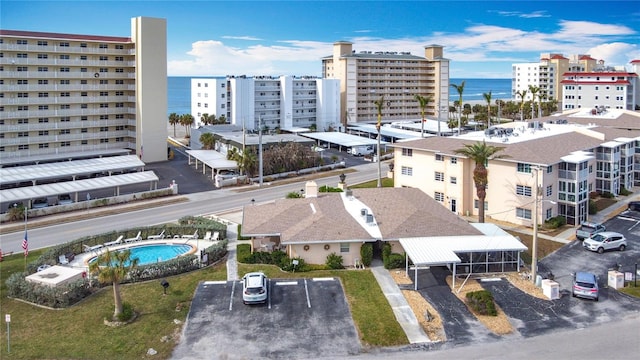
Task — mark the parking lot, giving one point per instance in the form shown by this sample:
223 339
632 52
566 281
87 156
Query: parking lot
302 318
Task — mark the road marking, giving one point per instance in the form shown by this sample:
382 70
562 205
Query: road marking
306 290
324 279
214 282
269 294
284 283
233 288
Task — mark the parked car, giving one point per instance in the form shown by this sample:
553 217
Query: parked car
585 285
40 203
361 150
607 240
64 199
588 229
254 288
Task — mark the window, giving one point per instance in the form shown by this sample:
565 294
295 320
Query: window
454 160
439 157
549 214
21 42
119 70
24 82
103 46
549 190
22 68
549 169
439 176
64 44
65 94
438 196
523 190
65 106
43 69
104 128
64 132
43 120
83 131
104 58
65 82
65 143
406 170
453 180
407 152
523 213
104 141
65 118
42 43
64 69
43 146
23 134
475 204
524 168
344 247
23 147
21 56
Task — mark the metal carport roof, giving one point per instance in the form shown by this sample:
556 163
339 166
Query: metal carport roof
63 169
343 139
38 191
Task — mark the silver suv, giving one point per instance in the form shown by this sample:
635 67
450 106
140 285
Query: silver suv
585 285
254 288
607 240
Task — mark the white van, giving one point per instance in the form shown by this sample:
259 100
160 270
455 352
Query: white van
361 150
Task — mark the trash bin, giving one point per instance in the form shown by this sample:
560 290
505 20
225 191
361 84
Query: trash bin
615 279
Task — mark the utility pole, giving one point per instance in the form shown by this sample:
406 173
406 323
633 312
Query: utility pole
260 150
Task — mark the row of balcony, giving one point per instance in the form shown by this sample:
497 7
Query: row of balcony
33 140
66 75
54 61
65 100
17 154
7 88
67 112
66 49
56 125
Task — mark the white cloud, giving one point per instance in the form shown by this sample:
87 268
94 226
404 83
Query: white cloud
535 14
615 54
250 38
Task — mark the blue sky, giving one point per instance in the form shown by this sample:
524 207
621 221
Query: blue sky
481 38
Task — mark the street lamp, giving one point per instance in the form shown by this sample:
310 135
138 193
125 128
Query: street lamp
342 178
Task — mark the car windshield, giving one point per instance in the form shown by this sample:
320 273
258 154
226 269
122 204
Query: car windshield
598 238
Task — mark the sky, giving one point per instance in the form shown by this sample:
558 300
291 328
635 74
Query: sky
482 39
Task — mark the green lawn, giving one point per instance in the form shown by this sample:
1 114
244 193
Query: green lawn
79 333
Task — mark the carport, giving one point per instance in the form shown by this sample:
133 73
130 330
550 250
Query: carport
341 139
497 252
74 187
213 159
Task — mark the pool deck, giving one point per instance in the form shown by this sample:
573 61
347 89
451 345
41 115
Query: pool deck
81 260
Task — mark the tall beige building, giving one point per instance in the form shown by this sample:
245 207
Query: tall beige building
65 96
366 76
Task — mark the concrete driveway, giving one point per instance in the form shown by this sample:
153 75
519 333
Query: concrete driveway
303 318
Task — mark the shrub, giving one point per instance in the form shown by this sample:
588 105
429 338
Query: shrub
127 312
625 192
294 195
593 207
608 195
555 222
243 252
394 261
481 302
366 253
594 195
334 261
286 264
325 188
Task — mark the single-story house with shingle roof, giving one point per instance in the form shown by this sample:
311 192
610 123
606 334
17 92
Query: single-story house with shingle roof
323 223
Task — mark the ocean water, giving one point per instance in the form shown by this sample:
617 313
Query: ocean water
179 91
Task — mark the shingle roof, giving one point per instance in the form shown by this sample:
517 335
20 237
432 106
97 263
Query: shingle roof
399 212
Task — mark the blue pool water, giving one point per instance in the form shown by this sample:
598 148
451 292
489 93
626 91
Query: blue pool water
149 254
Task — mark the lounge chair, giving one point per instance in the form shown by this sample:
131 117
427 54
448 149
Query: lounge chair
62 259
207 236
88 248
216 236
115 242
191 237
133 239
156 237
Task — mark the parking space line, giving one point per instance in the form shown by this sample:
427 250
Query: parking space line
286 283
214 282
269 294
306 290
233 289
324 279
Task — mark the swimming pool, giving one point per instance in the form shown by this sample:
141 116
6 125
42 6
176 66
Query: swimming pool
153 253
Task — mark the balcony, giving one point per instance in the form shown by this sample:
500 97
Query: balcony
69 49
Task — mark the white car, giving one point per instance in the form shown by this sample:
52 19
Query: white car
607 240
254 288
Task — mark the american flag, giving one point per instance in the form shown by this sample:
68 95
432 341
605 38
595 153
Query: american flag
25 244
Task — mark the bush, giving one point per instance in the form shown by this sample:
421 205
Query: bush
394 261
334 261
593 207
482 302
555 222
366 253
127 312
608 195
325 188
625 192
286 264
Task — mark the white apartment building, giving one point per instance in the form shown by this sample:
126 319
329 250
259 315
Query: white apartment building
284 102
547 75
65 96
601 89
567 159
366 76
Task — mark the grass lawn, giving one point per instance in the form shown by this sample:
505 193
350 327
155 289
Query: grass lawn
386 182
79 333
545 247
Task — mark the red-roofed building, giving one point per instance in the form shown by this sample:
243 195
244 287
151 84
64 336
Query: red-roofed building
605 89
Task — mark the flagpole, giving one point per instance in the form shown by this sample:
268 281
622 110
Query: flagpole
26 240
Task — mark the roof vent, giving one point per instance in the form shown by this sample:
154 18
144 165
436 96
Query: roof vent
363 212
349 193
369 218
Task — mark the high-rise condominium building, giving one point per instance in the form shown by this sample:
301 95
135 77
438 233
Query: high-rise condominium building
271 102
65 96
547 75
366 76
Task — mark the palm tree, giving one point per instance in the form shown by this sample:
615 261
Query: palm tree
522 94
113 267
208 141
534 92
481 153
186 120
174 119
423 101
204 119
460 90
487 97
379 104
222 119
